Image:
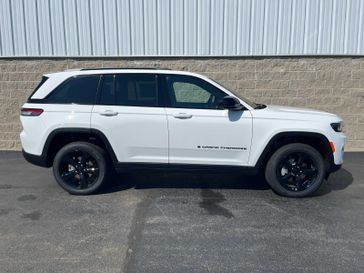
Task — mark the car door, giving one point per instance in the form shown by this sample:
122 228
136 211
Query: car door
128 112
199 131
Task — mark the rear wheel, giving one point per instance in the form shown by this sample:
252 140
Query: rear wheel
80 168
295 170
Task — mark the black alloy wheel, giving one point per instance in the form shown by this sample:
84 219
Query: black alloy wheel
80 167
295 170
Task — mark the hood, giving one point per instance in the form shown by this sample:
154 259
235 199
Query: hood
286 112
288 109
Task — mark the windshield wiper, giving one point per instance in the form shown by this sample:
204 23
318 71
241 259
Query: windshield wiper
260 106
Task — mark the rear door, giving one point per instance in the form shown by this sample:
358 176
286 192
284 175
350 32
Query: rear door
130 115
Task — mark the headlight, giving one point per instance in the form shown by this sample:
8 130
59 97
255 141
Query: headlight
337 126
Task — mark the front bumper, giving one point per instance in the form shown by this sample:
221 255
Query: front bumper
339 142
335 168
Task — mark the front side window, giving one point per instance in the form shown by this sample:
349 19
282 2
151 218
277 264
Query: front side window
247 101
129 90
77 90
192 92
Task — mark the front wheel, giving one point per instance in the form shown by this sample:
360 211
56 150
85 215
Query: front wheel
295 170
80 168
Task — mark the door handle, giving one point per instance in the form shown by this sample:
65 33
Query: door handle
108 113
182 116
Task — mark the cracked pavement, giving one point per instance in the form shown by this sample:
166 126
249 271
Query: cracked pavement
179 222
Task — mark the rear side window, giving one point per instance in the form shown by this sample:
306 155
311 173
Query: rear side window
77 90
107 96
129 90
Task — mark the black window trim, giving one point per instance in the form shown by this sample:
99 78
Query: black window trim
160 97
168 100
162 90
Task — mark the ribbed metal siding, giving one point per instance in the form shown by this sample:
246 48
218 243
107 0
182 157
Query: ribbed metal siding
181 27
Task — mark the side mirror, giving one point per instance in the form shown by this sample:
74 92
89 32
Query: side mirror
231 103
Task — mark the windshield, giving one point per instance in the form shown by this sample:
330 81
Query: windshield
249 102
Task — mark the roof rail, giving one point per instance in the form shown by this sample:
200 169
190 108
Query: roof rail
73 69
112 68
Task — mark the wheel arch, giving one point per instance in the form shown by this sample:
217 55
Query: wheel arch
62 136
316 140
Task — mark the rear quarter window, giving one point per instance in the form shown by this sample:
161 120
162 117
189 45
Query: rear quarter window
44 79
77 90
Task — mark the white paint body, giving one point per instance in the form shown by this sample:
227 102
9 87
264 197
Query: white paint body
136 134
174 135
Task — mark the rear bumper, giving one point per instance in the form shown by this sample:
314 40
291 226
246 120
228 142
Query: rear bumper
39 160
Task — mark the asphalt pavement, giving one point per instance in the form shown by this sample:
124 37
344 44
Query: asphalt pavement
179 222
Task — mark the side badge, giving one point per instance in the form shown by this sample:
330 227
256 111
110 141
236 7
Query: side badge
209 147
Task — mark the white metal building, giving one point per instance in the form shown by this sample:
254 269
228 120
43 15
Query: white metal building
181 27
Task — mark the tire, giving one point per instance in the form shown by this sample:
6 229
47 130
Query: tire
80 168
295 170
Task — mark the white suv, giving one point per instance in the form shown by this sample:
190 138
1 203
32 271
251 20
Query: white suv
88 122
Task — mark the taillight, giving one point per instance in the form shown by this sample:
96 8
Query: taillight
31 112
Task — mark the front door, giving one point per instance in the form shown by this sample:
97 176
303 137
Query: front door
128 112
199 131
